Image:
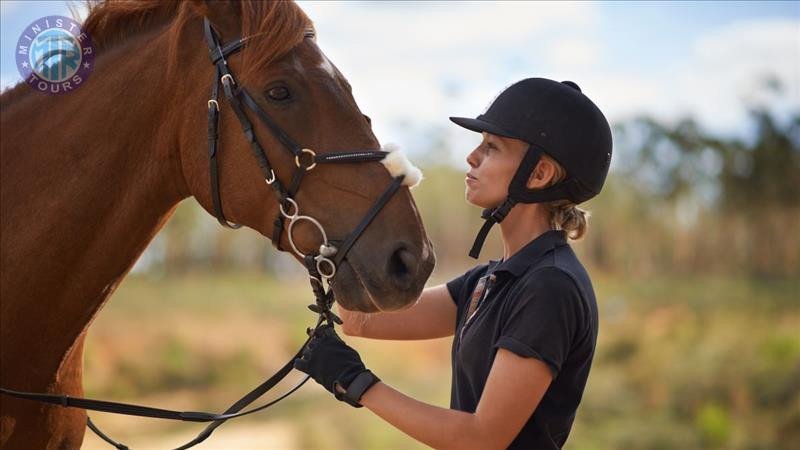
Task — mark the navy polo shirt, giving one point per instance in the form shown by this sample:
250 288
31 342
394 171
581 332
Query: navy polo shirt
538 304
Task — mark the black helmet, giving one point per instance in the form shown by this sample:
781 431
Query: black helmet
556 119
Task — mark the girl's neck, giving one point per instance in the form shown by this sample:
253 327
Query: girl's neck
523 224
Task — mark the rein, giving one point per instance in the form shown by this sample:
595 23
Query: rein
321 265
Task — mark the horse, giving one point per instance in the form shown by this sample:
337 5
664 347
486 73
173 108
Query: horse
89 177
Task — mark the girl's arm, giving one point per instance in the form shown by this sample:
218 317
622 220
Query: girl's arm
432 316
513 391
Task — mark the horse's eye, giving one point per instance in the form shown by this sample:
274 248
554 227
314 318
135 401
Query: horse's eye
279 93
369 121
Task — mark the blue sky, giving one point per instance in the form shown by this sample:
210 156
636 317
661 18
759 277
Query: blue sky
414 64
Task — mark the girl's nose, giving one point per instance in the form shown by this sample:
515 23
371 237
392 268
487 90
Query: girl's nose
473 159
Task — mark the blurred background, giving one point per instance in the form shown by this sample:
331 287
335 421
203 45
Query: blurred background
693 245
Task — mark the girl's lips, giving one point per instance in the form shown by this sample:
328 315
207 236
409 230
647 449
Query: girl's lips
470 179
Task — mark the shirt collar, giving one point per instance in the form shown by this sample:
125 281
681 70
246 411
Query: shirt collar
519 262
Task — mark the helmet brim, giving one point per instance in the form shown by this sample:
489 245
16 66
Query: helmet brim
480 126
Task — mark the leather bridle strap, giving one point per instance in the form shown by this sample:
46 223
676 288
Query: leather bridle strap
374 210
213 135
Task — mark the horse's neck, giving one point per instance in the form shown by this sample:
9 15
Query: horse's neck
88 178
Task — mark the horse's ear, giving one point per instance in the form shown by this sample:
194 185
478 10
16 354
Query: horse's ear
225 15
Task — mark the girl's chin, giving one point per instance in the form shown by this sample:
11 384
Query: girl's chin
473 200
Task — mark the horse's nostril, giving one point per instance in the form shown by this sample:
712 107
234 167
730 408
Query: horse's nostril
402 265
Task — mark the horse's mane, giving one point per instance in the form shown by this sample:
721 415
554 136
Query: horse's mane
279 25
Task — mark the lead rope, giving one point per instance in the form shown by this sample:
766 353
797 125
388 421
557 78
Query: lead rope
322 307
324 300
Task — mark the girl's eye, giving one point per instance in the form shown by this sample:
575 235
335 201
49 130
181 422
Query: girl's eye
279 93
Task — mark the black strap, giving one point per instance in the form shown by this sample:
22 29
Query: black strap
187 416
274 128
103 436
357 388
518 192
252 396
213 135
374 210
111 407
491 217
350 156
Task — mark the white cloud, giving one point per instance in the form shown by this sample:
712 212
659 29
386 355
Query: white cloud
416 65
721 72
430 26
574 53
725 68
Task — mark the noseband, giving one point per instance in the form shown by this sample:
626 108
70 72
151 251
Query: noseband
321 265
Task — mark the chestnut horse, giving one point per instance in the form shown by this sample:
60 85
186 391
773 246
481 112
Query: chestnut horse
89 177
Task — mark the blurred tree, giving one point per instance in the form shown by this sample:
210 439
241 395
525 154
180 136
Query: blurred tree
727 201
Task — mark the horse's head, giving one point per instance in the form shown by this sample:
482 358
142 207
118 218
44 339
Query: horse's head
287 76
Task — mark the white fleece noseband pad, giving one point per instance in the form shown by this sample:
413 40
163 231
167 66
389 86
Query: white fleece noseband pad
398 164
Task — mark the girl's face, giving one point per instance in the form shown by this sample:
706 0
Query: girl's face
492 166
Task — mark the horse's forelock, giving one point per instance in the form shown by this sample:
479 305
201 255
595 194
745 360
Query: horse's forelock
275 27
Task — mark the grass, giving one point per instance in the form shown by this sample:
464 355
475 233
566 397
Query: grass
687 362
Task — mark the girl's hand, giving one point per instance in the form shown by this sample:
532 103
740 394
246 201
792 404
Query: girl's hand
336 366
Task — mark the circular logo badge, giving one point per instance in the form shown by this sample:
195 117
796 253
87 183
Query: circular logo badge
54 55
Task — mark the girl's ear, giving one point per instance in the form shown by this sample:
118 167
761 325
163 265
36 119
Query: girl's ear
542 175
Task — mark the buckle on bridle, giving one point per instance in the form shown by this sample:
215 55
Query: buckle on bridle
213 102
271 179
230 79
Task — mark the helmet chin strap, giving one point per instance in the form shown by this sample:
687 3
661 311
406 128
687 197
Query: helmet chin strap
518 192
491 217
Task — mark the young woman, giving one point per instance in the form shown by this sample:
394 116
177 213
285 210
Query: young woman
524 327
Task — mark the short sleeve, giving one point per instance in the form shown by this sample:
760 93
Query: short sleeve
544 318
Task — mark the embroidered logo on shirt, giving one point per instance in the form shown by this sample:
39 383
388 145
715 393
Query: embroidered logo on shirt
478 293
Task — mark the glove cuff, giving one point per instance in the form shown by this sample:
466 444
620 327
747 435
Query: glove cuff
357 388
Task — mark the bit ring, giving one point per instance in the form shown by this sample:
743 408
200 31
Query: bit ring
310 152
320 260
297 218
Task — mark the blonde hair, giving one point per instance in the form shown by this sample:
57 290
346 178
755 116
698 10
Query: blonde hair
564 214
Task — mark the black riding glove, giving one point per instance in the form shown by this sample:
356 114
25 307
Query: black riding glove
331 362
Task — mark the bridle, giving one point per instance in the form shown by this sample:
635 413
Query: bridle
321 265
305 159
